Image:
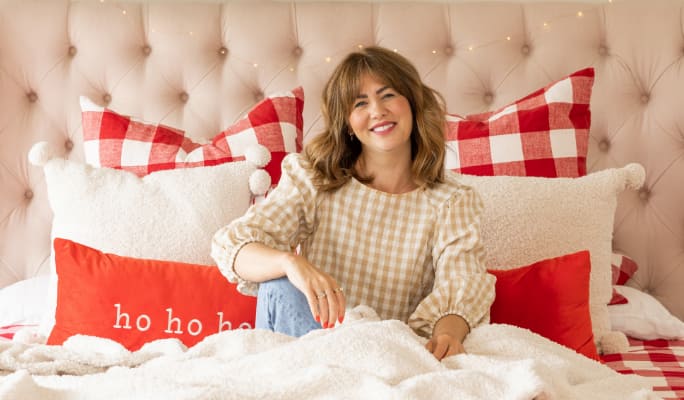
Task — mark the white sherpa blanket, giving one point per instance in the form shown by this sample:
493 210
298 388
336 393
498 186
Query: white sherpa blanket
363 359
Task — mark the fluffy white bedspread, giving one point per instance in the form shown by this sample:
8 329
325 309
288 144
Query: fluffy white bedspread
362 359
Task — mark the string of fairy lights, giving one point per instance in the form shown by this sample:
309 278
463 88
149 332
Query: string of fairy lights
583 10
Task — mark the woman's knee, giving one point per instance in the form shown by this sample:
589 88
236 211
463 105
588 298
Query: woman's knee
283 308
280 286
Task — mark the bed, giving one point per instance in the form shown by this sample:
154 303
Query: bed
132 131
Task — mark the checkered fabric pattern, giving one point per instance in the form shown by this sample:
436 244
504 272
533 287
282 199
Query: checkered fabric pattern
7 332
386 250
543 134
622 268
118 141
661 361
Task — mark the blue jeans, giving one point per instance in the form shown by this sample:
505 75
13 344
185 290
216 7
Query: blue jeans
283 308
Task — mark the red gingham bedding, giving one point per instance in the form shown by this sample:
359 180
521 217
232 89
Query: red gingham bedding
662 361
7 332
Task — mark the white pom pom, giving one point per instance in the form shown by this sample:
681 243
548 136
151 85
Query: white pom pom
636 175
29 335
258 155
40 154
614 342
259 182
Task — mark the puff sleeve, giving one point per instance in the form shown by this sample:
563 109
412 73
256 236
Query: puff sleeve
462 285
281 221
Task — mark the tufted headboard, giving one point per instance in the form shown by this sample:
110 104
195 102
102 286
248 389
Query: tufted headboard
200 65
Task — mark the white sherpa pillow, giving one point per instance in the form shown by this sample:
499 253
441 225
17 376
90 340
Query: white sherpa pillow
527 219
167 215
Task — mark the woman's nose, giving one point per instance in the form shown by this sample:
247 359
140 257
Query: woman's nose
378 110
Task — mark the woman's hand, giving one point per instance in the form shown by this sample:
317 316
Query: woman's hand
444 345
325 296
447 336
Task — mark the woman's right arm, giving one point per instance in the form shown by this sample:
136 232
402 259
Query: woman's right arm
271 262
267 231
303 275
259 245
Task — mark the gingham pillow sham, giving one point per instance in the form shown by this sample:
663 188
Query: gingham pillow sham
119 141
622 269
543 134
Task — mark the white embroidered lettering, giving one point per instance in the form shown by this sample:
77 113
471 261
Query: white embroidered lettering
194 332
120 315
223 325
227 325
148 322
173 320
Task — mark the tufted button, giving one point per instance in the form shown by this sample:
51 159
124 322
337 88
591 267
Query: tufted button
644 194
183 97
32 96
645 98
525 49
72 51
106 98
488 98
258 96
146 49
604 145
603 50
448 50
28 194
68 144
223 51
297 51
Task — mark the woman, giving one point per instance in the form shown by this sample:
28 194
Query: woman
376 218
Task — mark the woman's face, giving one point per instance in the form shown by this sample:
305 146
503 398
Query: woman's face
381 119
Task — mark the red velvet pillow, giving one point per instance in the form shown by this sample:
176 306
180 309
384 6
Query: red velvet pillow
134 301
550 298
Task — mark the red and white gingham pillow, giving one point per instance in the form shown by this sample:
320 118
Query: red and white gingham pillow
119 141
622 268
545 133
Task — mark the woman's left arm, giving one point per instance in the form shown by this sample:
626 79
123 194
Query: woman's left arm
462 291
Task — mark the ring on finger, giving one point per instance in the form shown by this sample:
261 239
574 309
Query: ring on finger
320 295
339 289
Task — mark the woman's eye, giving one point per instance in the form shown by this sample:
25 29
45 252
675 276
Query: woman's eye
359 104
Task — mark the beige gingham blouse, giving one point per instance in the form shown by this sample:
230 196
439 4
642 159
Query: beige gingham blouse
415 256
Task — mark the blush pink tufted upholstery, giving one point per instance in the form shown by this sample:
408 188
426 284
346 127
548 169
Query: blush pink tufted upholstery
199 66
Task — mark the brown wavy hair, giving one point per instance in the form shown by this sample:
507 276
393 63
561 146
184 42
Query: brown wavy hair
333 152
